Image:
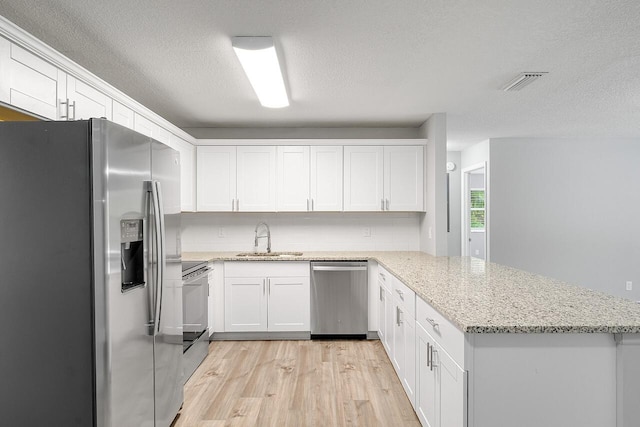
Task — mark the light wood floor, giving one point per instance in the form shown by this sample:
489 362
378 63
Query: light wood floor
295 383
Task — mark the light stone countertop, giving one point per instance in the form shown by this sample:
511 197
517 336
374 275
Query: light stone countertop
481 297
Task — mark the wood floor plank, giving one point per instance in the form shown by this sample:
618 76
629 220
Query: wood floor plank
295 383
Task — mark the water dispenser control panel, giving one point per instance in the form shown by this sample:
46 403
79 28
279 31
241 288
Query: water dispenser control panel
132 267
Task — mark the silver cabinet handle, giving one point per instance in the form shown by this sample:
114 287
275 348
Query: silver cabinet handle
312 208
428 354
264 286
381 293
400 293
432 322
66 110
383 276
387 204
398 314
269 286
381 204
73 105
433 353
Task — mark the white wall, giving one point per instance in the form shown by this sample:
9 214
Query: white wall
433 224
475 154
569 209
299 232
455 188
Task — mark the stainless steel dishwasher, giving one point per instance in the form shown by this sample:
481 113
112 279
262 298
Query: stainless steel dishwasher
339 299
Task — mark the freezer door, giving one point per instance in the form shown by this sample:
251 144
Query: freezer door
124 341
165 164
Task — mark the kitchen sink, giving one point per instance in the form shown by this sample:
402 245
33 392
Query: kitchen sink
270 254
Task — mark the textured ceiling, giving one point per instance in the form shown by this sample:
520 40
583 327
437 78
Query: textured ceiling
364 62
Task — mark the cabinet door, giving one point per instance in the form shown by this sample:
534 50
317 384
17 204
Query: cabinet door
426 384
28 82
245 304
382 323
389 318
398 346
215 178
187 173
142 125
289 303
326 178
404 178
453 389
409 365
293 178
256 174
87 102
363 189
122 115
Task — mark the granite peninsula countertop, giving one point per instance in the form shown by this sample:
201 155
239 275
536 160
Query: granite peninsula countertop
481 297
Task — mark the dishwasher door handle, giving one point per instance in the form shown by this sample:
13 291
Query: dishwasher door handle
337 268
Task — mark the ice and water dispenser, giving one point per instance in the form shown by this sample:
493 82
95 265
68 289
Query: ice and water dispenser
131 253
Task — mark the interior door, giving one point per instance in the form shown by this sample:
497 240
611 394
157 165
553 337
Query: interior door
165 168
475 213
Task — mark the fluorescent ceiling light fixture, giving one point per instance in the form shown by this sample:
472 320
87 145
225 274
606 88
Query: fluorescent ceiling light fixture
260 62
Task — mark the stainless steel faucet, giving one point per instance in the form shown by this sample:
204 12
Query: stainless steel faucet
268 236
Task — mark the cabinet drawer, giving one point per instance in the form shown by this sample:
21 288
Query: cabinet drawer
266 269
384 278
442 330
405 297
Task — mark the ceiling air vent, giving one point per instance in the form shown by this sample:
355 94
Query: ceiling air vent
523 79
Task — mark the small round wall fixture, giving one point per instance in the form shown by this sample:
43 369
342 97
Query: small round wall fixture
451 166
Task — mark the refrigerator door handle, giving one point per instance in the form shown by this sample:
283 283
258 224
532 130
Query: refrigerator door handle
157 254
162 255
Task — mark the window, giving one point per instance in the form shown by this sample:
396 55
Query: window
477 209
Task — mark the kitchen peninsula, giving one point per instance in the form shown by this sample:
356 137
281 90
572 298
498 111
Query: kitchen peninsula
498 345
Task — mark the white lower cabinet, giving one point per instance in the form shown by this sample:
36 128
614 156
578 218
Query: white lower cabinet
440 384
418 340
385 309
245 304
275 298
404 337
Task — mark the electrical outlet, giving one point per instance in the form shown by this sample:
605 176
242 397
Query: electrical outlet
477 251
222 232
629 285
366 231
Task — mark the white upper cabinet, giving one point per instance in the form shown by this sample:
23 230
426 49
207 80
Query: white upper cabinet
293 179
326 178
142 125
85 102
187 173
122 115
389 178
404 178
146 127
256 179
28 82
363 178
216 178
309 178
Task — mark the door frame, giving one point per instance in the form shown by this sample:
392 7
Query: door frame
466 226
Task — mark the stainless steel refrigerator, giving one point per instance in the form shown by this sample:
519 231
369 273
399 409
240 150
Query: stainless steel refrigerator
90 276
